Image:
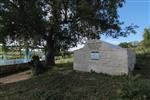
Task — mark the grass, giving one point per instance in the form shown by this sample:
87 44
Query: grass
62 83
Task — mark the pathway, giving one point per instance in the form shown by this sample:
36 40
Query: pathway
15 77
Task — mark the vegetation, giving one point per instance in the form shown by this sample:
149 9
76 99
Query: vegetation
132 45
142 50
146 41
10 52
135 89
124 45
36 66
143 55
59 24
62 83
62 24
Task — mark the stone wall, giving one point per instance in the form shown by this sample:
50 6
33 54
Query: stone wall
113 60
7 69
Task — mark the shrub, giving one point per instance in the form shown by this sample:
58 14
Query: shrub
135 89
37 66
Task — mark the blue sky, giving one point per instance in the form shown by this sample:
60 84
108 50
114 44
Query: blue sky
136 12
133 11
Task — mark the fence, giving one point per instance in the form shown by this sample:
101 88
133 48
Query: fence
14 61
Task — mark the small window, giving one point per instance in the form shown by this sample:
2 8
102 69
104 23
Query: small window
95 55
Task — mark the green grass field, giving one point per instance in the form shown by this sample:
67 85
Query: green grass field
62 83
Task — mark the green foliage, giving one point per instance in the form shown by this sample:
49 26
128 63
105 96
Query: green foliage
132 45
61 23
146 41
44 20
5 48
124 45
37 66
143 59
135 89
142 66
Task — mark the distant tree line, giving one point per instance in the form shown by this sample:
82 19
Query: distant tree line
144 44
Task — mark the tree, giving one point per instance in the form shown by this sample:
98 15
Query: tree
132 44
4 50
61 23
146 41
124 45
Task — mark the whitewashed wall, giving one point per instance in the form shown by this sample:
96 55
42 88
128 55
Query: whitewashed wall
113 60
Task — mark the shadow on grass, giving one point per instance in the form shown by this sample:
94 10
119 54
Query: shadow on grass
143 65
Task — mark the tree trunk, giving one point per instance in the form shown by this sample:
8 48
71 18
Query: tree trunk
50 56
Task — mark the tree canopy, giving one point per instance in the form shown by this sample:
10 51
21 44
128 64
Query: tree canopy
61 23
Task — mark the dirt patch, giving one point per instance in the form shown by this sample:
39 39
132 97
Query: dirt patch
15 77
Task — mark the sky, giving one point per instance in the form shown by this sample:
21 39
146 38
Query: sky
133 12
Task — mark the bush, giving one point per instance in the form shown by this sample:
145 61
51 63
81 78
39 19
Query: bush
135 89
142 61
37 66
